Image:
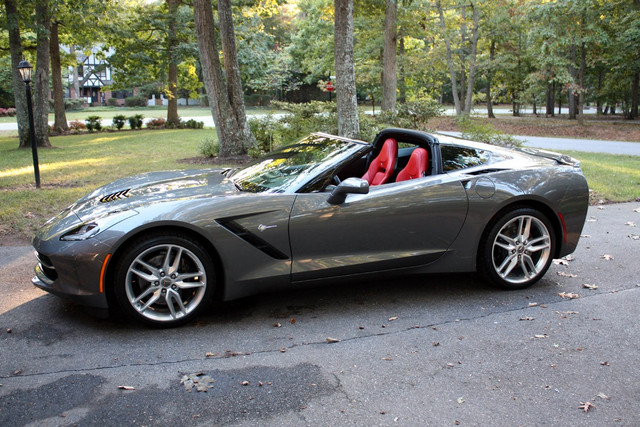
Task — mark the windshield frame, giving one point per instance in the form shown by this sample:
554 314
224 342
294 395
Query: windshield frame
306 174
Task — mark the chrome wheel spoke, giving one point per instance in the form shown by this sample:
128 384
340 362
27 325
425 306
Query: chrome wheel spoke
144 276
149 303
508 265
173 268
173 298
529 269
533 246
149 291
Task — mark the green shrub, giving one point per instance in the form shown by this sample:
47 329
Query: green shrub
119 121
414 114
209 147
193 124
94 123
112 102
135 122
135 101
484 132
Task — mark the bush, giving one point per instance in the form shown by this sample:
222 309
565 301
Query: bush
156 123
7 112
112 102
193 124
477 131
94 123
76 126
135 101
119 120
209 147
135 122
414 114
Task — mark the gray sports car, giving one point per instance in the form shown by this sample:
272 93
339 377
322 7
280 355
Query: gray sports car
162 245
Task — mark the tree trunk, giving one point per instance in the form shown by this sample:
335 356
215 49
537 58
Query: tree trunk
402 86
633 113
60 123
172 45
231 133
492 51
472 61
389 72
463 41
599 97
41 81
347 103
583 64
15 46
76 77
232 71
550 100
572 93
452 72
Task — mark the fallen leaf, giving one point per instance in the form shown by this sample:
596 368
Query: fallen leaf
209 355
586 406
8 330
460 400
568 295
630 223
245 383
526 318
607 257
277 325
332 340
126 387
570 257
387 358
391 319
199 381
540 336
605 363
634 236
637 210
283 350
567 312
560 262
292 321
563 274
600 208
603 396
584 236
588 286
532 304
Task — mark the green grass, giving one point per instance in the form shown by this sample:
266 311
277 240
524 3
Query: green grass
80 163
613 178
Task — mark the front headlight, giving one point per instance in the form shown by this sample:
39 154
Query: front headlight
91 228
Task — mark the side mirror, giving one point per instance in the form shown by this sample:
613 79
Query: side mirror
346 187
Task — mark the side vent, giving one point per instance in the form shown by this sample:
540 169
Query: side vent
115 196
251 238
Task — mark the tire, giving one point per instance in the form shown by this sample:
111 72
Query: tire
164 280
517 249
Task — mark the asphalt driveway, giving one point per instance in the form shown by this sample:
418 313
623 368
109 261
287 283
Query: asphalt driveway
444 350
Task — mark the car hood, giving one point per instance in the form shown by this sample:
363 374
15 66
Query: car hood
153 187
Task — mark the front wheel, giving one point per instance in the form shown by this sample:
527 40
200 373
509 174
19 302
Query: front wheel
518 249
164 280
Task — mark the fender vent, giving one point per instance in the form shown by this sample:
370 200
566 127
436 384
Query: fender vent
115 196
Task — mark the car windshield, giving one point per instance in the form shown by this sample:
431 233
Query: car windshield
291 167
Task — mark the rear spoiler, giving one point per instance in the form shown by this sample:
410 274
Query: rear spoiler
561 159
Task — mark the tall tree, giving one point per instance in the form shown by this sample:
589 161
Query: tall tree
15 46
347 102
60 122
41 81
172 45
233 131
389 71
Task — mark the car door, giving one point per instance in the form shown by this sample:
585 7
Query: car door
405 224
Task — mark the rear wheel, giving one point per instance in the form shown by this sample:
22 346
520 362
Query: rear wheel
518 249
164 280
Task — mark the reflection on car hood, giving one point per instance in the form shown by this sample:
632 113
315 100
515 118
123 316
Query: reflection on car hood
128 193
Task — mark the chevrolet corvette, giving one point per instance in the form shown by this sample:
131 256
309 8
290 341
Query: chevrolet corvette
159 247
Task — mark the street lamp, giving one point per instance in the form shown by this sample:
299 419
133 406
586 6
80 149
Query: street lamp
25 71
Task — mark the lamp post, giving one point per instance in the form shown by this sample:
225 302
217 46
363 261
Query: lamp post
25 71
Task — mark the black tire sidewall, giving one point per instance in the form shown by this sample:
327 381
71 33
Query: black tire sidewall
144 243
485 260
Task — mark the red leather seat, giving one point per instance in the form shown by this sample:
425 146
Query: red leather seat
382 167
417 166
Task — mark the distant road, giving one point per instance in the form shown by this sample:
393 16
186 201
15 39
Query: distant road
586 145
548 143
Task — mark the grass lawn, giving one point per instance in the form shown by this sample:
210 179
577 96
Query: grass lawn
80 163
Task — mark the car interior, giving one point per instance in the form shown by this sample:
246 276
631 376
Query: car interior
394 158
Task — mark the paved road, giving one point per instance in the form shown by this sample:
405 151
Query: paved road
442 350
566 144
